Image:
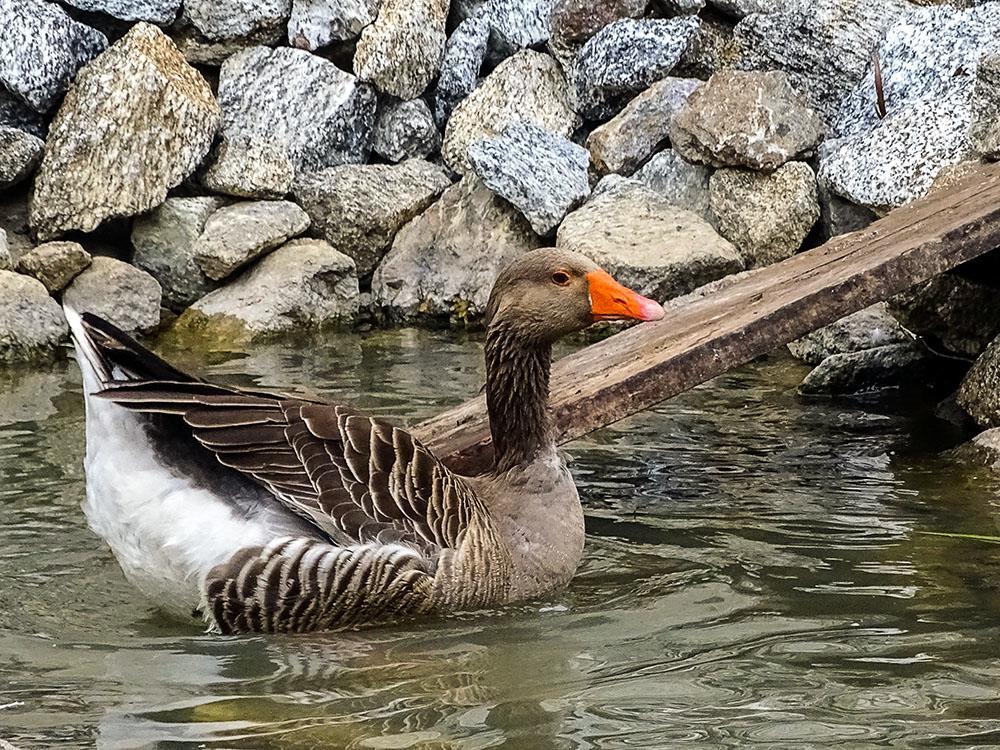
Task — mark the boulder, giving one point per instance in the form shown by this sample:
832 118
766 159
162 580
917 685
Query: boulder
405 130
979 393
20 153
219 20
743 8
237 235
656 248
626 57
838 216
165 242
640 129
984 134
518 24
573 22
299 111
541 174
43 48
766 216
137 121
870 328
741 119
122 294
359 209
461 62
679 182
442 264
317 23
55 264
984 448
401 51
888 366
14 113
31 324
198 50
154 11
528 86
6 260
710 50
302 285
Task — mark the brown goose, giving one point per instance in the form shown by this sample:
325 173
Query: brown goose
275 514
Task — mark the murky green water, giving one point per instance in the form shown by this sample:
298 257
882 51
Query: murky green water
756 576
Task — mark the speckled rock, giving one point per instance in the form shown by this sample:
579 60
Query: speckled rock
286 111
123 294
442 264
55 264
164 242
640 129
541 174
317 23
31 323
359 209
766 216
683 7
14 113
658 249
528 86
137 121
838 216
154 11
742 8
6 260
744 119
232 19
401 51
20 153
984 134
865 329
892 366
198 50
518 24
679 182
304 284
979 393
461 62
405 130
625 58
710 50
236 235
573 22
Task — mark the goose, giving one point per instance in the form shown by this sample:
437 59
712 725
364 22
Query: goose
267 513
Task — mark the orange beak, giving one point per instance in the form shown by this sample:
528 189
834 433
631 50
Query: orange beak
609 300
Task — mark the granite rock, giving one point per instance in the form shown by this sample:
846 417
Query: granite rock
679 183
743 8
866 329
219 20
405 130
461 62
154 11
888 366
250 167
31 324
6 259
20 153
984 134
710 50
979 394
137 121
118 292
518 24
55 264
317 23
198 50
838 216
14 113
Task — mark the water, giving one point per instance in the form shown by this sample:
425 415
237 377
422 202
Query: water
757 574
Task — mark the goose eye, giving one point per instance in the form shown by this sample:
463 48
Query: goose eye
561 278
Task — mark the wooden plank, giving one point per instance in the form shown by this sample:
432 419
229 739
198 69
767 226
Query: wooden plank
749 317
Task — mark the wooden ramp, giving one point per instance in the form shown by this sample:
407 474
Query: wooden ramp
747 317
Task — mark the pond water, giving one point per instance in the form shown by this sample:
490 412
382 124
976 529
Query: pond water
758 573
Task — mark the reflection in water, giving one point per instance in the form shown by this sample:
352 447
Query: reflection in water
755 575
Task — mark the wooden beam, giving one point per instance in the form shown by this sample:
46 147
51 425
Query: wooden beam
746 318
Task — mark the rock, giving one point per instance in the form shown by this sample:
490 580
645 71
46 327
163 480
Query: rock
401 51
359 209
20 153
979 393
626 57
406 130
518 24
122 294
541 174
442 264
824 46
683 7
43 48
6 261
528 86
866 329
639 130
154 11
220 20
766 216
710 50
236 235
285 111
984 135
14 113
838 216
984 448
165 242
31 323
888 366
679 182
137 121
658 249
463 57
742 8
317 23
304 284
55 264
573 22
198 50
741 119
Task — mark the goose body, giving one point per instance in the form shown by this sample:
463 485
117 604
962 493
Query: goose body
269 513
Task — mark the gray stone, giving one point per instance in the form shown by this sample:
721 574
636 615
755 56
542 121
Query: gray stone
766 216
745 119
55 264
866 329
122 294
573 22
656 248
305 284
517 24
137 121
463 57
155 11
528 86
442 264
220 20
20 153
710 50
984 448
625 58
984 134
14 113
838 216
742 8
6 260
317 23
294 109
640 129
979 393
888 366
198 50
236 235
541 174
31 323
679 182
164 243
401 51
406 130
43 48
359 209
